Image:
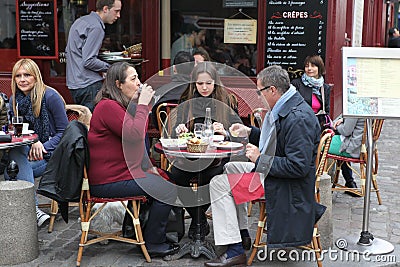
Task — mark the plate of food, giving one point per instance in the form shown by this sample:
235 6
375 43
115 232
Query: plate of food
186 136
229 145
218 138
173 143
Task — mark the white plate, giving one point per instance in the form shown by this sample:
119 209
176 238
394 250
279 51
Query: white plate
28 132
116 58
229 145
218 138
173 143
109 54
179 147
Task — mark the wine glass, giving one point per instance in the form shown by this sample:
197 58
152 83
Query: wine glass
208 134
240 137
198 129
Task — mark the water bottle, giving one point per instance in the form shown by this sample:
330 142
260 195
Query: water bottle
208 127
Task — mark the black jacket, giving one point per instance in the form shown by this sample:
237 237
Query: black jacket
62 179
394 42
306 93
289 166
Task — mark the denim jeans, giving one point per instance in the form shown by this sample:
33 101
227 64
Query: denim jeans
28 170
85 96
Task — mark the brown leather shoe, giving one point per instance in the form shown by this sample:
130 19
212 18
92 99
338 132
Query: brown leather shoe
222 261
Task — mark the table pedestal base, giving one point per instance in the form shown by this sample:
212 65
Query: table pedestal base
375 247
195 248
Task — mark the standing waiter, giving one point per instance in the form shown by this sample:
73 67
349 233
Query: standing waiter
85 38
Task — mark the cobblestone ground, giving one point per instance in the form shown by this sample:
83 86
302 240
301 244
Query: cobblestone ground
60 247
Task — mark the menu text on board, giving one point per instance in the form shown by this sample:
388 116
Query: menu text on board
295 30
36 29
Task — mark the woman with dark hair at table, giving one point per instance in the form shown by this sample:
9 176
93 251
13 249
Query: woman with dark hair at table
313 88
205 90
119 166
44 109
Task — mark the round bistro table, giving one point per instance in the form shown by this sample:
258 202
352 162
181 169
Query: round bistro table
197 246
19 141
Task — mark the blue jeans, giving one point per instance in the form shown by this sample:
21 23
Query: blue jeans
85 96
28 170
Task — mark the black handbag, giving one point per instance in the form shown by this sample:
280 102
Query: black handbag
175 227
325 121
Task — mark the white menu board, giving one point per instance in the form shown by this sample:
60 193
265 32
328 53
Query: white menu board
371 84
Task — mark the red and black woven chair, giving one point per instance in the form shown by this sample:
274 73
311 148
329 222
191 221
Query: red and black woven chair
338 161
85 206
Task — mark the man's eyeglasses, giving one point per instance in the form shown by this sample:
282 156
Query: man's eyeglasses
265 88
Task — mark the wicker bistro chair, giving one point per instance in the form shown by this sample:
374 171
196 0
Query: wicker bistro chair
165 124
79 113
82 114
337 161
321 165
85 205
256 119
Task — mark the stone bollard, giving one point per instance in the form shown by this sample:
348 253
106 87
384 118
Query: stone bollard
325 225
18 226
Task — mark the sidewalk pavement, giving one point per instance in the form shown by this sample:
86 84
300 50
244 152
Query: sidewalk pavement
60 247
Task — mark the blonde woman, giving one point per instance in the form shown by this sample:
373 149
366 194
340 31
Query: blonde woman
44 109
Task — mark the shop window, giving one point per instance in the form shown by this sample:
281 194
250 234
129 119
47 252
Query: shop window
67 12
198 26
125 32
8 38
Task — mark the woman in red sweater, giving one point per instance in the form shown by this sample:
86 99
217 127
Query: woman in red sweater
119 166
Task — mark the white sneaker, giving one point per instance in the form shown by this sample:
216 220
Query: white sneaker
41 217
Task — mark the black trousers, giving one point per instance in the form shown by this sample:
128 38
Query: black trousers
347 172
161 191
185 178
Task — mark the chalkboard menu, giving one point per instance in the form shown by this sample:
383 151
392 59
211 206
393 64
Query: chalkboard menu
37 28
239 3
295 29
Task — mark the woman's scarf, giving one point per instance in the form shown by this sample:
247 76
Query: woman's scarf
315 84
39 124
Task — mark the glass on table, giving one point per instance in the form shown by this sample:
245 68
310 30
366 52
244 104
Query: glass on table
240 137
198 129
17 123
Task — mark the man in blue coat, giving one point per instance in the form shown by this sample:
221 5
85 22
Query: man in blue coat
283 154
